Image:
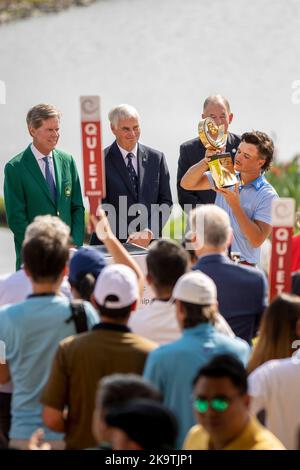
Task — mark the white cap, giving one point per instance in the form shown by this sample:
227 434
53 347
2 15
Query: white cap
118 280
195 287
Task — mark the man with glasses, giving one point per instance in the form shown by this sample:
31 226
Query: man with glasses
222 408
138 195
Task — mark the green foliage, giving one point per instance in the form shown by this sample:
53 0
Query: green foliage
175 227
285 179
2 213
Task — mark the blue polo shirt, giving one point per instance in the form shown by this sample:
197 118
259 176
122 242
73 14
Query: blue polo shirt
32 330
256 200
173 367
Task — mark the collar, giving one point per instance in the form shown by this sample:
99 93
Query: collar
111 326
258 183
202 328
124 152
38 155
211 254
46 294
251 434
155 299
211 257
247 437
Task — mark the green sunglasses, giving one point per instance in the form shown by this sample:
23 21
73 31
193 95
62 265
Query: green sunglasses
217 404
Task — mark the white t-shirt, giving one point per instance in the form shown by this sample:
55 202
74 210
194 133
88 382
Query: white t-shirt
158 323
15 287
275 387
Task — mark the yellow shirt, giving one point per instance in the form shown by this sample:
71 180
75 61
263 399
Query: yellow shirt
253 437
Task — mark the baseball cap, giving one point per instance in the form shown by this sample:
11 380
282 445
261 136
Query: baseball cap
86 260
118 280
196 288
147 422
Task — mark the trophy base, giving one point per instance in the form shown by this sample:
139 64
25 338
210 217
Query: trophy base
222 170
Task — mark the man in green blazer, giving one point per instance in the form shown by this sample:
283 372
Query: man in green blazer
42 180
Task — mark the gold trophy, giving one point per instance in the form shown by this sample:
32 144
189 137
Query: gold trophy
213 137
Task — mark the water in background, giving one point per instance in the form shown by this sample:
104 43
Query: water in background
162 56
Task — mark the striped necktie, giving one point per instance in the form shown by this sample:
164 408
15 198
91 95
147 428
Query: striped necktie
49 178
132 173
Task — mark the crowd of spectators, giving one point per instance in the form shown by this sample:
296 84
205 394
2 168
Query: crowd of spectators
93 369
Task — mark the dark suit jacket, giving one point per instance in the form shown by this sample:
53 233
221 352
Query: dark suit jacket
192 152
27 195
154 188
242 292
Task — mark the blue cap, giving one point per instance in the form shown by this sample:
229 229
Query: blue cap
86 260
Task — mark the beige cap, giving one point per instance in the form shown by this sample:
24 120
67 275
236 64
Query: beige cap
195 287
118 280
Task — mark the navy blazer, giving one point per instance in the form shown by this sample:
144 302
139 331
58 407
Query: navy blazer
154 188
191 152
242 292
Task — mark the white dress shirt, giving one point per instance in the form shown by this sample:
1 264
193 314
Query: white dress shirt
134 158
134 161
39 158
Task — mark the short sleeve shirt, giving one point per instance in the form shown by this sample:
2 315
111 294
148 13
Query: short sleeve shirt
31 331
256 200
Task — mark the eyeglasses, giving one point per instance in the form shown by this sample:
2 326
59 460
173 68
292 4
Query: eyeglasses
217 404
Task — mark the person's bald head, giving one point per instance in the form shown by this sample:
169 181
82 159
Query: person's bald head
216 99
218 108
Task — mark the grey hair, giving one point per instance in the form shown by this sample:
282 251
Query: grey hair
216 99
212 224
49 225
122 111
40 113
116 389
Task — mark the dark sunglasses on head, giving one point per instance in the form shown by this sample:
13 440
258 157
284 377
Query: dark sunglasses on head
217 404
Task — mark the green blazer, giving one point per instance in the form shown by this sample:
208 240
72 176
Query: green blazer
26 195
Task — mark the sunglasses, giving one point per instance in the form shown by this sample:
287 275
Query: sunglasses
217 404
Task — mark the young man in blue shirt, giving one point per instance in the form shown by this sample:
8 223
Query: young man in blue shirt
32 329
248 203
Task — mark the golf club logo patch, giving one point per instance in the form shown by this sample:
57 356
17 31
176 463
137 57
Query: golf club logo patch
68 191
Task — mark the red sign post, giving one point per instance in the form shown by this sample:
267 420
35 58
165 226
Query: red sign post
93 162
283 216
